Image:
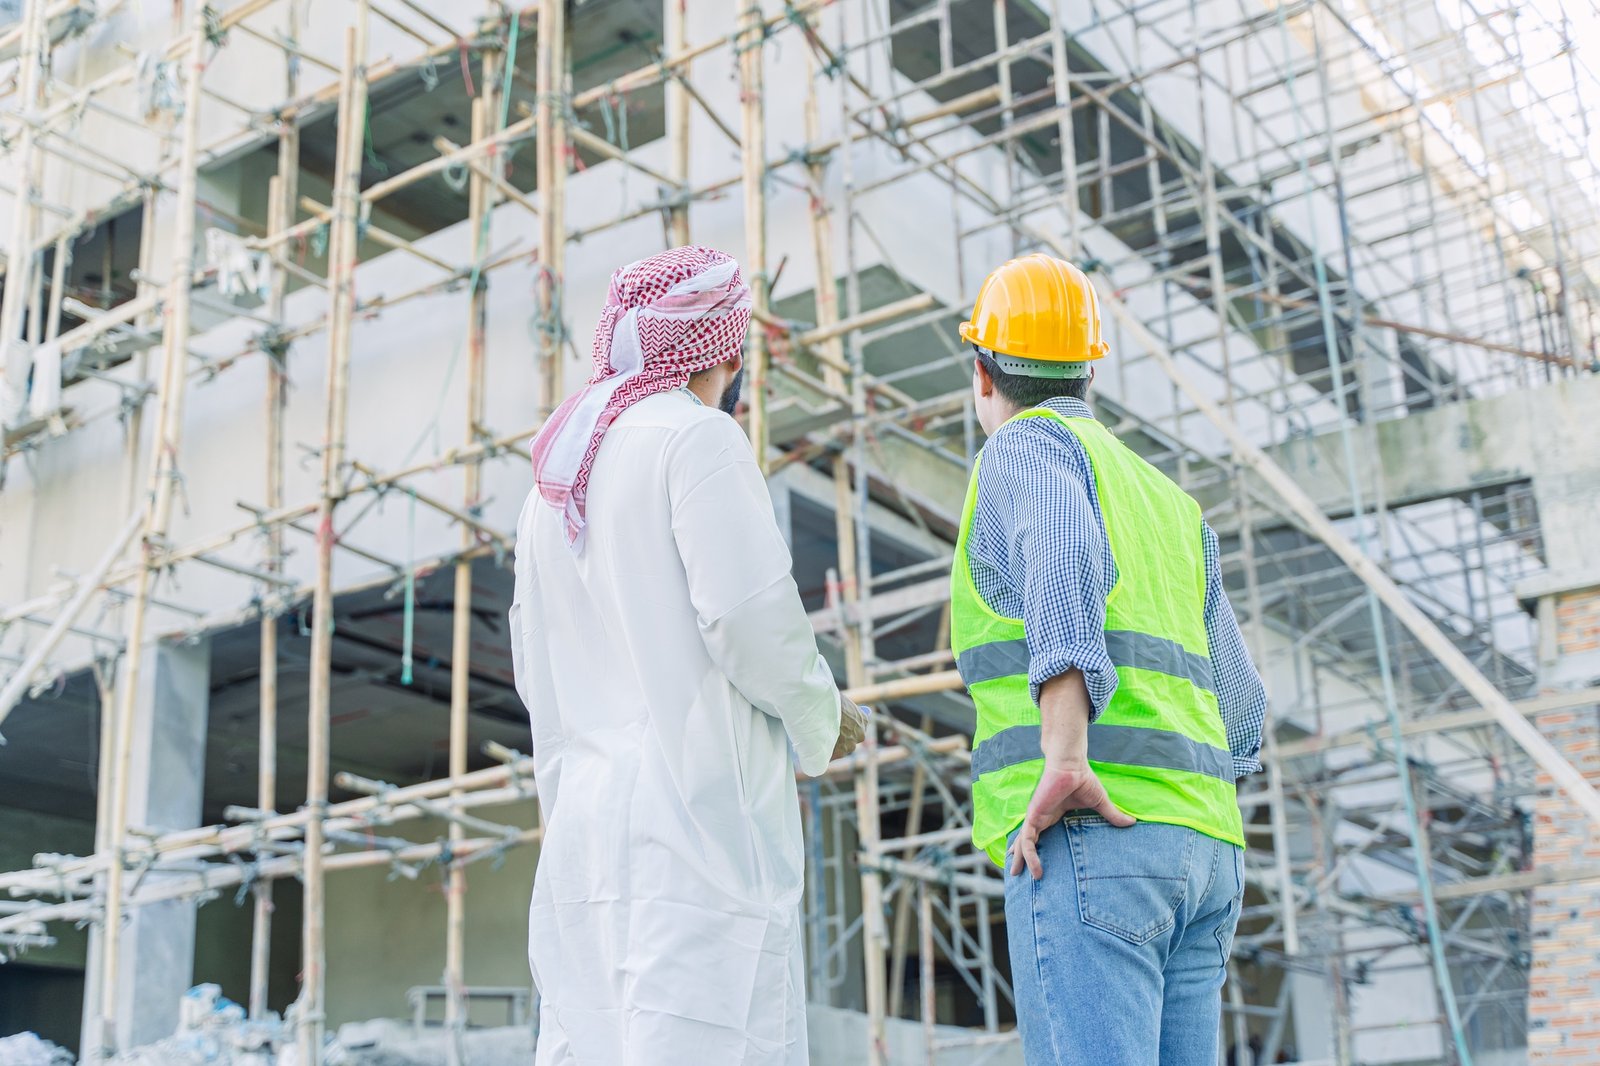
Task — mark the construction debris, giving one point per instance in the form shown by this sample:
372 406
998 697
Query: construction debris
213 1031
27 1049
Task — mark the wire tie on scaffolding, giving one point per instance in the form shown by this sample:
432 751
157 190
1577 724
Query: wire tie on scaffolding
249 874
455 175
216 33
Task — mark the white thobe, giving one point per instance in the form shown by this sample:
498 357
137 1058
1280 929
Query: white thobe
668 668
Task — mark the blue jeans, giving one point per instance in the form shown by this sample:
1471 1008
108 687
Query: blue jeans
1118 953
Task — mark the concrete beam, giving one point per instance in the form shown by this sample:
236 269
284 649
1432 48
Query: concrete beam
1547 435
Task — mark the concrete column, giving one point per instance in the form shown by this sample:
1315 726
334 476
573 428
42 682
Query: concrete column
164 793
1564 983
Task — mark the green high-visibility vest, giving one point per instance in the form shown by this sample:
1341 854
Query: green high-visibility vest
1160 747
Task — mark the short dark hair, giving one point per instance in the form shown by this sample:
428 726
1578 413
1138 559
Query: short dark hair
1028 392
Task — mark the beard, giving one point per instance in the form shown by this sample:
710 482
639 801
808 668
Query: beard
730 396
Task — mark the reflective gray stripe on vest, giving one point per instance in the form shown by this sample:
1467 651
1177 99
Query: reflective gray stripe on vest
1127 745
1158 655
1141 651
987 662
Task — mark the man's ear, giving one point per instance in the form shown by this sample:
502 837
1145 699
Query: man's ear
985 382
737 362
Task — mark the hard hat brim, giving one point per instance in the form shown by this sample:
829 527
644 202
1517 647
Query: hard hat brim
969 333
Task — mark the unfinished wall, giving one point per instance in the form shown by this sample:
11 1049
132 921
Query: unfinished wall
42 989
386 933
24 834
222 945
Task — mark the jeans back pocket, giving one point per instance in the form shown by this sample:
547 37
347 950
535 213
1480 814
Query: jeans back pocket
1130 881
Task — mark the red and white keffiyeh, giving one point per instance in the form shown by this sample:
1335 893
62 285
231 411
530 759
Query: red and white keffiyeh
665 318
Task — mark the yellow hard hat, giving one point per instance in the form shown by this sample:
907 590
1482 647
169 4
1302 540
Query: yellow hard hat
1038 316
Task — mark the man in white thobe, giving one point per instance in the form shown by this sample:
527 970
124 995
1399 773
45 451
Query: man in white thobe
668 668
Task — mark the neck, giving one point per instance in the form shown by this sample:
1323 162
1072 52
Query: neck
706 389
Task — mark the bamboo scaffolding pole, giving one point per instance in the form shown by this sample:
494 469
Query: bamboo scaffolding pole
403 26
829 331
16 686
506 189
281 197
163 478
382 236
601 146
68 876
675 17
872 932
833 374
829 338
902 899
551 147
226 875
289 515
1008 114
218 876
473 526
485 115
175 49
379 190
654 72
267 737
296 109
105 779
908 845
188 845
753 135
874 937
462 156
1065 137
342 260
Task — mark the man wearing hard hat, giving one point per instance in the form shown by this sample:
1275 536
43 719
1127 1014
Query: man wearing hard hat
1116 702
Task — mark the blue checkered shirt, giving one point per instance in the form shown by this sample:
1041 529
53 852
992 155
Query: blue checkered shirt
1039 552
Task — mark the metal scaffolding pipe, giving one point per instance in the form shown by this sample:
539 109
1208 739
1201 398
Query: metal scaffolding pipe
1429 635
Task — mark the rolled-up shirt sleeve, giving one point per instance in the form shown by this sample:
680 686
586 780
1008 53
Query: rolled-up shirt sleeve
1050 549
1240 693
751 618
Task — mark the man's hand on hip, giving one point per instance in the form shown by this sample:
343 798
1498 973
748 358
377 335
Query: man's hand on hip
1061 789
1068 783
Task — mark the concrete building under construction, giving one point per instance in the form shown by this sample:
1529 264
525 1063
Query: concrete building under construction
288 286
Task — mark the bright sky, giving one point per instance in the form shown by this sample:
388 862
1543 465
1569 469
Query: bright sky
1548 52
